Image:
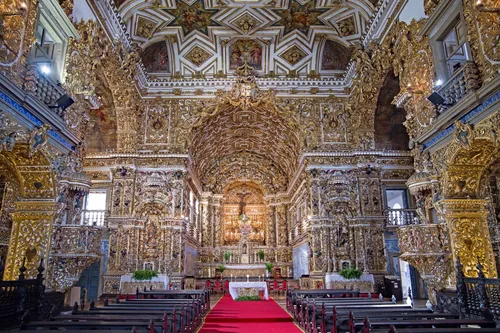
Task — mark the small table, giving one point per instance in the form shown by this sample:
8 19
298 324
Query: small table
234 286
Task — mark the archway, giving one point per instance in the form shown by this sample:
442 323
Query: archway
390 133
244 152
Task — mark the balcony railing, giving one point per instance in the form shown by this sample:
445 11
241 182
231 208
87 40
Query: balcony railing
462 82
96 218
44 88
399 217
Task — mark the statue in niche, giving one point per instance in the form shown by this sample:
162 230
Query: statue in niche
151 235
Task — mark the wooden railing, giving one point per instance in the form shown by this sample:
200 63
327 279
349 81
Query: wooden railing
400 217
22 297
463 81
96 218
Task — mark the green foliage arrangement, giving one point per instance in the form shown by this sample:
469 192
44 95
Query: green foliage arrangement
350 273
222 268
227 255
142 274
261 254
269 266
247 298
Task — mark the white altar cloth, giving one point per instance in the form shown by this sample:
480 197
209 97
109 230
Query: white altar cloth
128 278
234 286
243 266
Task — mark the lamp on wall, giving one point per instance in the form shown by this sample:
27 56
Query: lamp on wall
482 8
63 102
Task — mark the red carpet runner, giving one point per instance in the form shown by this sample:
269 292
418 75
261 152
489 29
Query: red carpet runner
248 317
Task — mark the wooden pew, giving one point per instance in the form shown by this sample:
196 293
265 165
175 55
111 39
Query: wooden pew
367 326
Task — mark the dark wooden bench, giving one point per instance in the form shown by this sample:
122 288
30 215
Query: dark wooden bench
366 326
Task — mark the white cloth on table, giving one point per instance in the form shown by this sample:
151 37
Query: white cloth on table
234 286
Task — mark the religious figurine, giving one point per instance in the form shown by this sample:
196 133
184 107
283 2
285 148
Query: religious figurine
38 139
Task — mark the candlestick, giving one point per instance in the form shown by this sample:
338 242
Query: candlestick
248 277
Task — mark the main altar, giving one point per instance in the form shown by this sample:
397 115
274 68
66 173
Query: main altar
238 289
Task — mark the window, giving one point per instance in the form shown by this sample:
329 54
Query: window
95 208
455 47
45 52
396 199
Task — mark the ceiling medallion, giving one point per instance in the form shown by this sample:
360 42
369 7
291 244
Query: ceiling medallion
247 23
293 55
197 55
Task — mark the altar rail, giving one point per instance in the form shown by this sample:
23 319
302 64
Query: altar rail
17 298
478 297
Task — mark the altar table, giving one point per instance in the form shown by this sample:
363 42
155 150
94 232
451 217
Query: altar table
234 286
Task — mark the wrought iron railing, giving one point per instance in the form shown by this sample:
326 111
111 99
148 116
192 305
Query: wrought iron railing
462 82
17 298
96 218
397 217
478 297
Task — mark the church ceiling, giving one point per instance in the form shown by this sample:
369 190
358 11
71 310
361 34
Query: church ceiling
211 38
255 144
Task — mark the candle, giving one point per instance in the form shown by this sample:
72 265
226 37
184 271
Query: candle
248 277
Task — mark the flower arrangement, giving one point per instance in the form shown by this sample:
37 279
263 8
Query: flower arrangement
222 268
261 254
247 298
350 273
227 255
143 274
269 266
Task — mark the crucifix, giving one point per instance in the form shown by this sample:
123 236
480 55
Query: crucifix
242 196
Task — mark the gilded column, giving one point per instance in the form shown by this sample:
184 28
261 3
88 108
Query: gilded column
30 237
469 234
206 226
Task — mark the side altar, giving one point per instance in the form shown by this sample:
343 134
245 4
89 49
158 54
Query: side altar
128 285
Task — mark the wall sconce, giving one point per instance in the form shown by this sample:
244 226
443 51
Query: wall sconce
480 6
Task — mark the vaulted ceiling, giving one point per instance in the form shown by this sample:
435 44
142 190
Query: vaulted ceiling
254 145
196 38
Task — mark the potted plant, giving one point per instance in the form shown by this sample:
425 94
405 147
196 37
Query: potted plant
261 254
221 268
227 256
269 267
350 273
142 274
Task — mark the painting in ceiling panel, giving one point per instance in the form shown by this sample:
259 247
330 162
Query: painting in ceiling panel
299 16
145 28
347 27
155 57
335 56
293 55
246 50
192 17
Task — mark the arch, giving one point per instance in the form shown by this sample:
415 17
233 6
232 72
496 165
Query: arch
390 133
